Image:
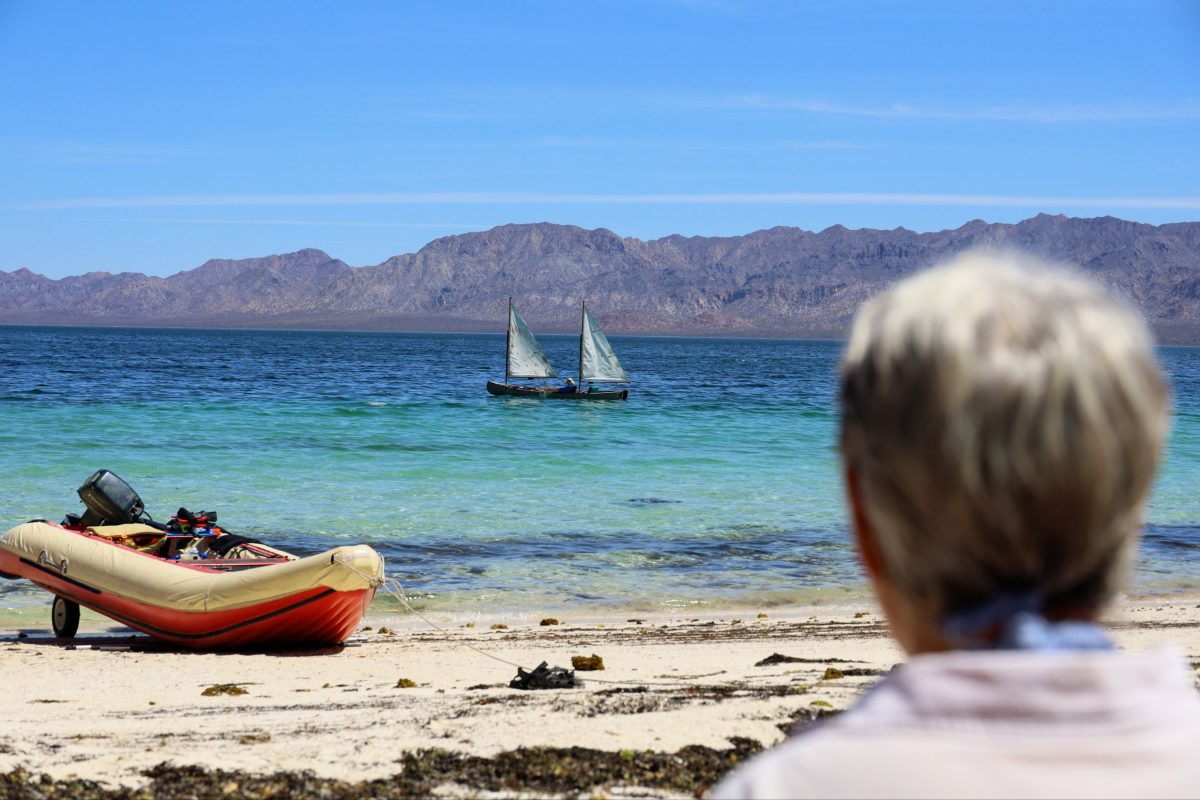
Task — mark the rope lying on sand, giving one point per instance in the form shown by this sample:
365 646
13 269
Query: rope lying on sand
396 589
393 587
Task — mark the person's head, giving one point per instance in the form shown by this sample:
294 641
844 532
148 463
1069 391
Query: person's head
1001 421
570 382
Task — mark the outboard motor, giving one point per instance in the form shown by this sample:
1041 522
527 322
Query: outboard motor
109 501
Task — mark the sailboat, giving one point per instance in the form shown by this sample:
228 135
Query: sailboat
524 358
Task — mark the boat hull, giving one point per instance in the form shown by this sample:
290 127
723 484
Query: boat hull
310 602
552 393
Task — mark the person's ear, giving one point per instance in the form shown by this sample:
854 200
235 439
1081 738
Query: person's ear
864 533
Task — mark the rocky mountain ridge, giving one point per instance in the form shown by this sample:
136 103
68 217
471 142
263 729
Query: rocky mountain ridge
776 282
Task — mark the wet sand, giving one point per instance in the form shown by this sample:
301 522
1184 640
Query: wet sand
109 706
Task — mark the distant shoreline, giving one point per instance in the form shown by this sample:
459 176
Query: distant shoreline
1172 339
550 332
778 283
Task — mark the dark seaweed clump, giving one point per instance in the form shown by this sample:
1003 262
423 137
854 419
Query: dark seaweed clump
550 770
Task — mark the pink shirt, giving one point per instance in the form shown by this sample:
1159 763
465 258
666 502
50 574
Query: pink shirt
1000 724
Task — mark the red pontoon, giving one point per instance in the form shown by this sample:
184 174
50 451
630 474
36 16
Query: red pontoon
250 596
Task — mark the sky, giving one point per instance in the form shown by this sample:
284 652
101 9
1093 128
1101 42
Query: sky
150 136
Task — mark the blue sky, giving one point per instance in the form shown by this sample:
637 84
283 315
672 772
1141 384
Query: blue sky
150 137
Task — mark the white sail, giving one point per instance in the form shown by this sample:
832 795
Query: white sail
597 361
525 356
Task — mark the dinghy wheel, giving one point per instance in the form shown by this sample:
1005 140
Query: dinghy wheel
64 616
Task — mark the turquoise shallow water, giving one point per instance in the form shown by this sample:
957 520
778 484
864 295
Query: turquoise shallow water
716 483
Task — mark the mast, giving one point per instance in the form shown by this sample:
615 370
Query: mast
507 339
582 326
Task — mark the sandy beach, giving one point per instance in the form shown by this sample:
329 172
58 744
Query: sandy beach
108 706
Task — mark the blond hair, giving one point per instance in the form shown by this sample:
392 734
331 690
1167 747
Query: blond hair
1004 419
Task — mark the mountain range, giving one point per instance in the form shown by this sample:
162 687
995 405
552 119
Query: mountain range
777 282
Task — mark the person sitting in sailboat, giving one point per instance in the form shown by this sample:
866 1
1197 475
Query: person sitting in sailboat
569 388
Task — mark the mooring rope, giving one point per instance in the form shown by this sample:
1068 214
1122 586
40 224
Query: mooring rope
393 587
396 589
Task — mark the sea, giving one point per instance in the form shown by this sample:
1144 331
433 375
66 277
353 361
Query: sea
715 486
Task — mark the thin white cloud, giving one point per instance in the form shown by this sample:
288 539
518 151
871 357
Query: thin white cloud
830 144
588 142
708 7
551 198
1184 109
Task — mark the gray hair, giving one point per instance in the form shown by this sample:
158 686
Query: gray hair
1004 419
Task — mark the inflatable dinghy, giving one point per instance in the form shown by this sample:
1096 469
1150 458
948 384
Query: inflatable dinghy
195 588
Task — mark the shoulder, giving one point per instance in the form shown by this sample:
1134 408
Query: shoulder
1035 724
820 763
